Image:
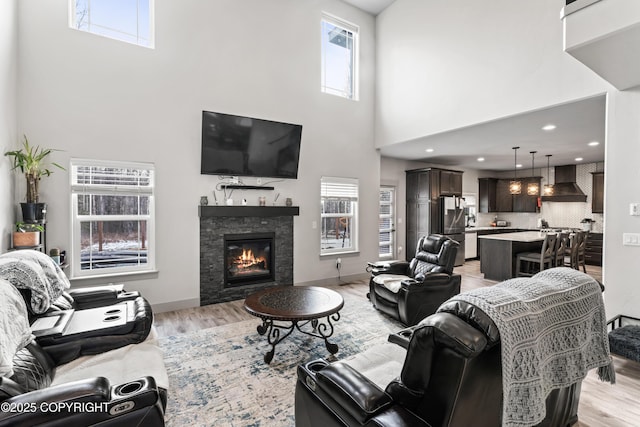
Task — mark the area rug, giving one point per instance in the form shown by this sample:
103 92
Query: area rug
218 377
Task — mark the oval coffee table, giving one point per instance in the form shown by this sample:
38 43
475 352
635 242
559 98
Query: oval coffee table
300 305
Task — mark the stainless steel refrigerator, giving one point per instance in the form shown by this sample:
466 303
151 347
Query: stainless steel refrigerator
452 222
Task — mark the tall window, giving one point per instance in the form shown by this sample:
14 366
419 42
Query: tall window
125 20
339 215
386 230
339 57
112 206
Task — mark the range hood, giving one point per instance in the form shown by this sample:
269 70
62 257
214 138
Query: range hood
565 188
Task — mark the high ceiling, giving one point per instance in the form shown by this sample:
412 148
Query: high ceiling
577 124
374 7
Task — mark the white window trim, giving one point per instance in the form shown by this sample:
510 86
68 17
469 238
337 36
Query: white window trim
76 189
355 224
355 30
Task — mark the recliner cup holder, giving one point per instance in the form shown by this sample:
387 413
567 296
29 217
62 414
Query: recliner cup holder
111 318
114 311
316 365
130 388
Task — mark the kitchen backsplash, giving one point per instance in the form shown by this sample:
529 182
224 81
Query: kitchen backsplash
557 214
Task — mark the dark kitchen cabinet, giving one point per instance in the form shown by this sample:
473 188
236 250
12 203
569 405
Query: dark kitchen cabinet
593 249
450 183
597 192
424 188
523 202
487 195
504 199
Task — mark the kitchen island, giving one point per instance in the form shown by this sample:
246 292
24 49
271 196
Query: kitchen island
498 252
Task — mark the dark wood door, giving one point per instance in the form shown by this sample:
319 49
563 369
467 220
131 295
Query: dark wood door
450 183
523 202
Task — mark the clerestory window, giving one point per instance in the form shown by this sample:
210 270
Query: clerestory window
339 57
125 20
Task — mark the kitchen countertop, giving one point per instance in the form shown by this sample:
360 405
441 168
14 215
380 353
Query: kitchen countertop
522 236
476 229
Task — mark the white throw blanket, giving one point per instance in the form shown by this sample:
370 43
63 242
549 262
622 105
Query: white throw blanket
14 326
553 330
34 271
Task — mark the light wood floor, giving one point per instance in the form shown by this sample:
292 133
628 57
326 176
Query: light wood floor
601 404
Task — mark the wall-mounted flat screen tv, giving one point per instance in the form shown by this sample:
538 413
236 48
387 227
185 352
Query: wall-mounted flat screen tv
246 146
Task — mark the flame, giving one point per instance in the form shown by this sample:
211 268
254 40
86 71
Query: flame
247 259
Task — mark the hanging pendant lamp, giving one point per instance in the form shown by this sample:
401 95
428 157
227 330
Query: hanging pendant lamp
515 186
548 187
533 189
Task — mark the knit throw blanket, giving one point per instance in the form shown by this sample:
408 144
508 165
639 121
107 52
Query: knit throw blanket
34 271
14 326
552 330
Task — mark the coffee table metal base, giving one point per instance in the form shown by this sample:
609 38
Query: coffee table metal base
320 328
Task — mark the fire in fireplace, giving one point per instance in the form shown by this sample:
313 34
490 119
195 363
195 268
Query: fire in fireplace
248 258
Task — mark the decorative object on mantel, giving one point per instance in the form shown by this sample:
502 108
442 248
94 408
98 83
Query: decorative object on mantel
515 186
532 187
548 187
288 201
262 201
204 200
30 160
276 199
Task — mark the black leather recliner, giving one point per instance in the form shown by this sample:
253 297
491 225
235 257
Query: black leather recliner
411 291
451 376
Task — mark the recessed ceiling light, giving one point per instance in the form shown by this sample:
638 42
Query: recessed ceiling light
578 159
481 159
593 143
519 165
548 127
429 150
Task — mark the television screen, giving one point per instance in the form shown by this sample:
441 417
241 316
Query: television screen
245 146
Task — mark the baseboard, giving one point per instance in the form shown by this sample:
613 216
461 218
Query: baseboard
176 305
335 280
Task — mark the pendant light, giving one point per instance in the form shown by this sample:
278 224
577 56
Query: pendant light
515 186
533 189
548 187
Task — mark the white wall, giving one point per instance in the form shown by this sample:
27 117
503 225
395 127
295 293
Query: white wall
97 98
445 65
8 114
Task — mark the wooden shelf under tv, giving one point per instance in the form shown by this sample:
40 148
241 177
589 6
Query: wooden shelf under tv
245 187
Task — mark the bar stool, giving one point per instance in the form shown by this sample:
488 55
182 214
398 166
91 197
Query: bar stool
580 255
560 249
544 259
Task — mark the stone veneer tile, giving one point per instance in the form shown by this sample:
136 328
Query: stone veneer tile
212 231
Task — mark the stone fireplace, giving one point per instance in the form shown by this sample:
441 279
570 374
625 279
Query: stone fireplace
234 244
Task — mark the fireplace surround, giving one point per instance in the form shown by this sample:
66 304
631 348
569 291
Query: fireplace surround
240 222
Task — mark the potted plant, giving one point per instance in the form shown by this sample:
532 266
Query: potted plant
31 160
27 235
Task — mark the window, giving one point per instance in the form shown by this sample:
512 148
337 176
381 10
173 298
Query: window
339 57
125 20
386 230
339 215
112 206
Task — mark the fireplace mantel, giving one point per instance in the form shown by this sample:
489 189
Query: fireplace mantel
252 211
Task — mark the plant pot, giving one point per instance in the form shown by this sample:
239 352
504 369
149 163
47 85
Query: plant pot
29 212
26 239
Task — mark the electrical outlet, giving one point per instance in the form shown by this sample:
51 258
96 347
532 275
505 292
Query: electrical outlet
259 181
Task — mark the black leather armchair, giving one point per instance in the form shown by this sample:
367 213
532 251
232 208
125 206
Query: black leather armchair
451 376
411 291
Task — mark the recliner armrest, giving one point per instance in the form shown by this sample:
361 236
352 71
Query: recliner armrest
85 298
429 279
84 402
395 267
356 394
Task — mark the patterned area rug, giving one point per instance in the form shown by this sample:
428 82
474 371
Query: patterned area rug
218 377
